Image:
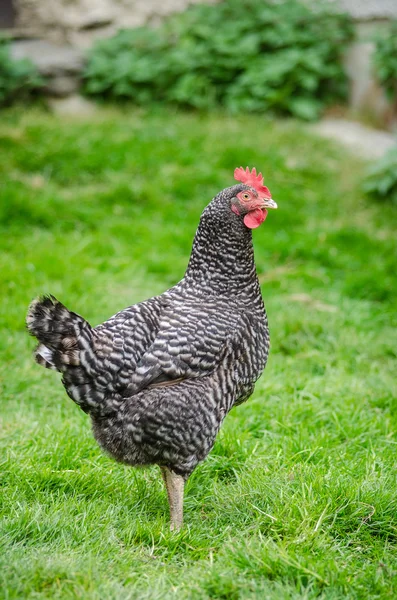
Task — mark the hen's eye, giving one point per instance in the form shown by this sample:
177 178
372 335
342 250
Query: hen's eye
246 196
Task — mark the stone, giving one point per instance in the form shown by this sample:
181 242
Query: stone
72 106
364 141
366 96
61 66
50 59
62 85
365 10
81 22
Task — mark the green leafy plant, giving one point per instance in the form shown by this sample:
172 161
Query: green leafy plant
385 60
381 181
19 79
247 55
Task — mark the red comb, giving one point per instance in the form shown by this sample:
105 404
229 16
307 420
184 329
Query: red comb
253 180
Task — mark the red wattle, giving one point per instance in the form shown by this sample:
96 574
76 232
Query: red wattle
254 218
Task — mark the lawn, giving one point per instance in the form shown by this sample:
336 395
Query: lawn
298 498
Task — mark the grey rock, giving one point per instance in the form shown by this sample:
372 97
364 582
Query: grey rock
61 66
62 85
72 106
364 141
51 60
81 22
369 9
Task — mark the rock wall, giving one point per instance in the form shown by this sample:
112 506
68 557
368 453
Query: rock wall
369 10
80 22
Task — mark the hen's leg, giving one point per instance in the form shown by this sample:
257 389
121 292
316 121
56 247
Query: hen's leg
174 484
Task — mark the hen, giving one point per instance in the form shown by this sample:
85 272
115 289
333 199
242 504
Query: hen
159 377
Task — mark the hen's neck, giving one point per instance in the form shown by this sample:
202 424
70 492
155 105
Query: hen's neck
222 258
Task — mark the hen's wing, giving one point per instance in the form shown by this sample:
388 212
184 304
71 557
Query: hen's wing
191 340
121 342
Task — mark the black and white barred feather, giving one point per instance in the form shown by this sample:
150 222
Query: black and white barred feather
159 377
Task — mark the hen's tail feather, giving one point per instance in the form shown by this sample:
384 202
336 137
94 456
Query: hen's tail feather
44 357
62 334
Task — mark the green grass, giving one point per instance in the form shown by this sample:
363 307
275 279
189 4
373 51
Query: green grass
298 498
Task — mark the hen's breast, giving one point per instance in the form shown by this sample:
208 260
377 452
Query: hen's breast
251 353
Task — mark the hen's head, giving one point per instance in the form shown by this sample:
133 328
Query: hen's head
252 199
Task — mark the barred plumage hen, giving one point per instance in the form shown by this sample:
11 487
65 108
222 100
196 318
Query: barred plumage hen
159 377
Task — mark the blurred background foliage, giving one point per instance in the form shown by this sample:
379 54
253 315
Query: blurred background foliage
385 59
249 56
283 58
19 79
381 180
